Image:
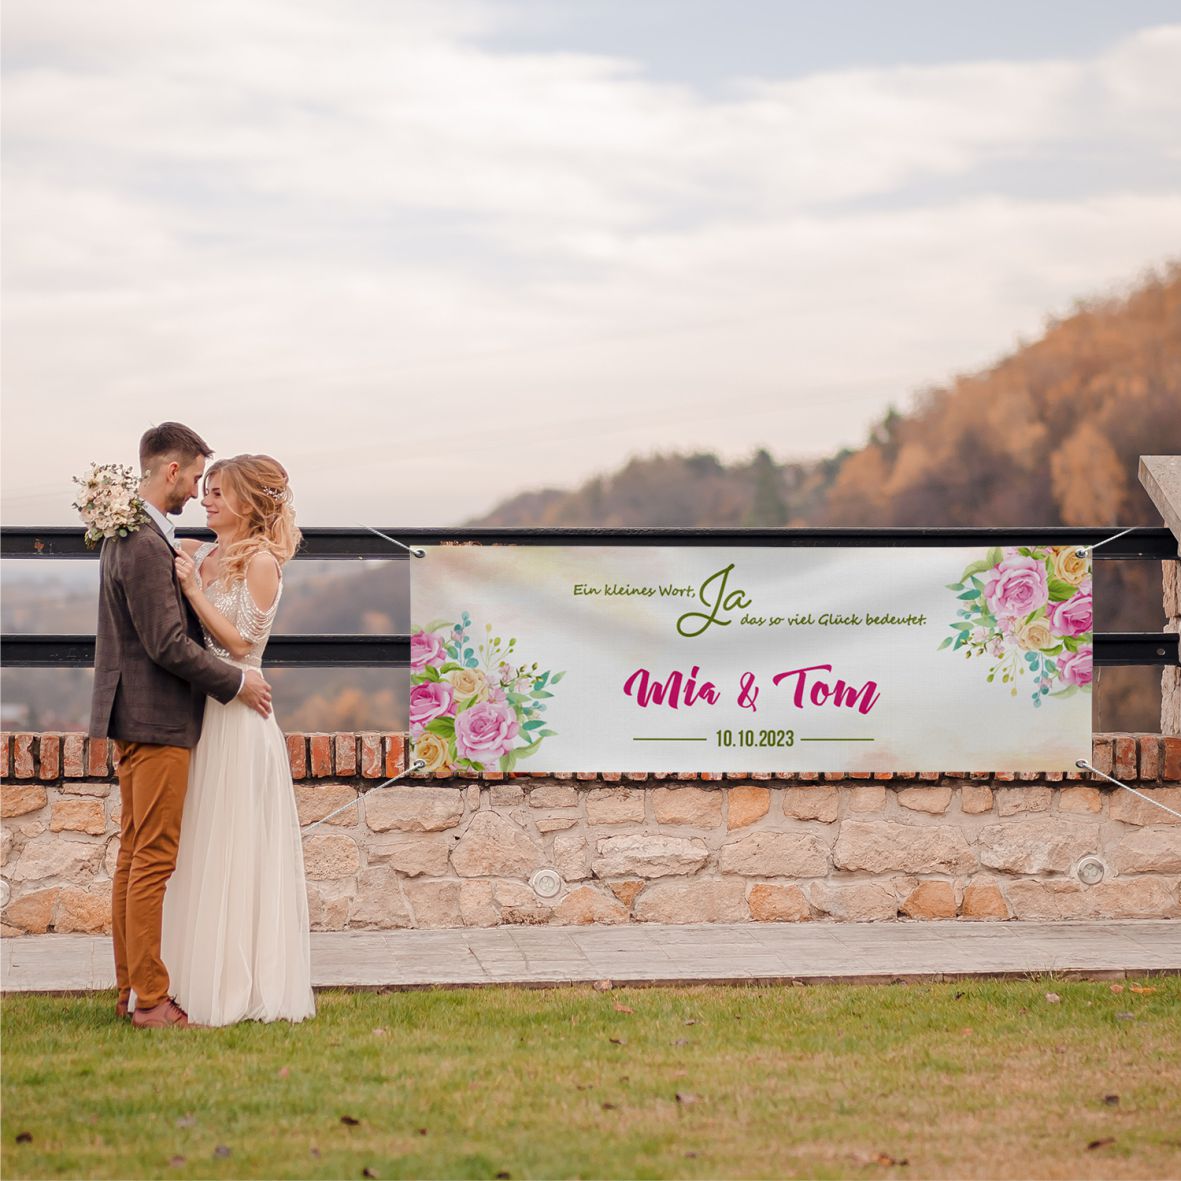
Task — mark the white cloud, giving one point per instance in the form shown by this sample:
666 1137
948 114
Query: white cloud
353 236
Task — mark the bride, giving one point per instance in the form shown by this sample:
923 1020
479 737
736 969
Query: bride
235 934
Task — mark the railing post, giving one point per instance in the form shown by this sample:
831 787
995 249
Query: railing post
1161 477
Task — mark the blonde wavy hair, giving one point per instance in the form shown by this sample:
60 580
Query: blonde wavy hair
261 495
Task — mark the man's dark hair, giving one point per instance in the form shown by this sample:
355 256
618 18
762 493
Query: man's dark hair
173 439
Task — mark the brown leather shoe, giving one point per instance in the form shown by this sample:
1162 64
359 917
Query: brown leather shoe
166 1015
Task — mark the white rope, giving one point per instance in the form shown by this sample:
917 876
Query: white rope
418 553
1147 799
417 765
1082 550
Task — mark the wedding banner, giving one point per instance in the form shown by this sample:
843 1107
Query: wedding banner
578 658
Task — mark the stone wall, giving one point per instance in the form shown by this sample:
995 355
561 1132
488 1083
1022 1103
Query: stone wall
439 851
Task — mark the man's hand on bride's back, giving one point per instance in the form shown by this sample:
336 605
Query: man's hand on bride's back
256 693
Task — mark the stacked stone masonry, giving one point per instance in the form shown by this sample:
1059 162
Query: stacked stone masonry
676 848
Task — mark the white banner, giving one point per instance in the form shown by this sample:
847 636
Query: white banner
576 658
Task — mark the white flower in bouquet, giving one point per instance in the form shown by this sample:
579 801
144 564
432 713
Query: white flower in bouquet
109 502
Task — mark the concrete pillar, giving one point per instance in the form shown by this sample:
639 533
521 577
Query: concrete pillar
1161 477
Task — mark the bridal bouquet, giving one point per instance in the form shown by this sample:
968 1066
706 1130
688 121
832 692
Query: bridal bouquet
1028 610
471 705
109 502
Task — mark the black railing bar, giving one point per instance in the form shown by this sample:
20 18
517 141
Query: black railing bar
339 544
327 651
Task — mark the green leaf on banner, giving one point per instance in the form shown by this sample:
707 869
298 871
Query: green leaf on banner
977 567
438 624
443 727
995 556
431 673
557 677
1060 590
945 643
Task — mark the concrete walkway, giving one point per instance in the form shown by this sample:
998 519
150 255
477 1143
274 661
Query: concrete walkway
653 954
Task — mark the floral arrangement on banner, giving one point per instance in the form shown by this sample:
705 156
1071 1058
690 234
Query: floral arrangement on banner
471 706
1027 609
109 502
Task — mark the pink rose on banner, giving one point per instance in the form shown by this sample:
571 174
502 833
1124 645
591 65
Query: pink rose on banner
485 732
428 701
1073 617
1017 586
425 648
1075 667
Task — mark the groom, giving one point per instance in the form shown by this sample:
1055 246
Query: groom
151 677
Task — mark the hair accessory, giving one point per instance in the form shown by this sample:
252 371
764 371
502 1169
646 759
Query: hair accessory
275 493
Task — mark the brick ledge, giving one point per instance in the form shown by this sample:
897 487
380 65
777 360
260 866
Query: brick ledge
56 757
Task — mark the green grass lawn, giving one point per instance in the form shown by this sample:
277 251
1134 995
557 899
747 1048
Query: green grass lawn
979 1079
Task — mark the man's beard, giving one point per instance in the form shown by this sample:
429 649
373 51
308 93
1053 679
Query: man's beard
176 504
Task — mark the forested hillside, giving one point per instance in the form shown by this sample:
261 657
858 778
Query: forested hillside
1048 436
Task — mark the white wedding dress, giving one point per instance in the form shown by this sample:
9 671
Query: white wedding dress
235 932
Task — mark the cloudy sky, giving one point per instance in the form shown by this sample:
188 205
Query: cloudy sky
432 254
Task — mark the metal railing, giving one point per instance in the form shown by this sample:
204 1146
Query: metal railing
342 544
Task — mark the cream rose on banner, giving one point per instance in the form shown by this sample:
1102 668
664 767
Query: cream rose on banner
432 749
1033 637
1069 567
471 705
467 682
1028 609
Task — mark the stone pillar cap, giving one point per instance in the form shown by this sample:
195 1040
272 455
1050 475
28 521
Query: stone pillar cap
1161 477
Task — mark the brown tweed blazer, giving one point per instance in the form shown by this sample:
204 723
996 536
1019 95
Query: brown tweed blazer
152 672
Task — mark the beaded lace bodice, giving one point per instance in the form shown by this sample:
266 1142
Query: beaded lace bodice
235 603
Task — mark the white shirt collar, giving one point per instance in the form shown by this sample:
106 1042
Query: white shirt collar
165 524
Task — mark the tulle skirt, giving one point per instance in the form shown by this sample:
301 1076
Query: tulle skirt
235 930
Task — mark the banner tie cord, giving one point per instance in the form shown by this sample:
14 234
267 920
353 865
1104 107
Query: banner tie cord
417 765
1081 551
1147 799
418 553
